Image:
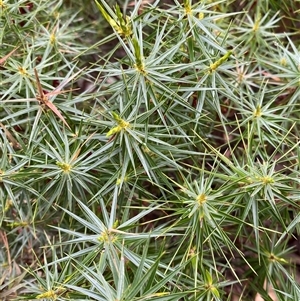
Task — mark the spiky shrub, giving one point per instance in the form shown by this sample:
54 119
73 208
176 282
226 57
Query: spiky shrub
173 176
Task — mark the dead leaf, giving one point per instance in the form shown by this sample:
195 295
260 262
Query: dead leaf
10 138
44 97
3 60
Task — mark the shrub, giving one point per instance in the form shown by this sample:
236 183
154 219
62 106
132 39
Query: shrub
149 151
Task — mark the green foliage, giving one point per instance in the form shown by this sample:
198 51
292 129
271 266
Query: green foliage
167 168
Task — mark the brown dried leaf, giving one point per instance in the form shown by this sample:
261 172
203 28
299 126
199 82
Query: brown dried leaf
44 97
9 136
3 60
